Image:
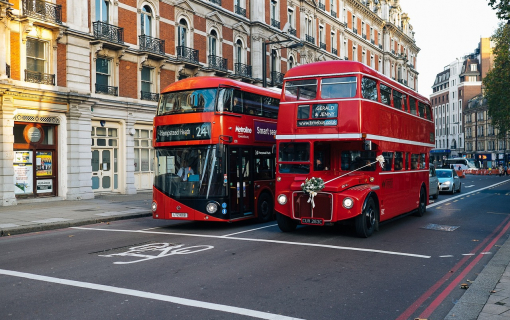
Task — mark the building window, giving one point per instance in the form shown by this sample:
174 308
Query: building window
472 79
473 67
354 53
36 56
182 33
146 21
274 5
213 43
143 152
291 62
239 51
290 17
102 10
146 80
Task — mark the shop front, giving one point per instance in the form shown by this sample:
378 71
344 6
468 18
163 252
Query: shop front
35 159
437 156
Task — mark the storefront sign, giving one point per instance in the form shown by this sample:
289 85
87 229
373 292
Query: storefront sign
45 186
43 163
34 134
265 131
23 172
182 132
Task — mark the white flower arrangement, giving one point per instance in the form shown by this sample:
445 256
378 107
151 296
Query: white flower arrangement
312 186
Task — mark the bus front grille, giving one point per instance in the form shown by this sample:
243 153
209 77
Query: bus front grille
323 206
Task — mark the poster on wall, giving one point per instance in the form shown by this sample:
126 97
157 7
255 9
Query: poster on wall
23 172
43 163
45 186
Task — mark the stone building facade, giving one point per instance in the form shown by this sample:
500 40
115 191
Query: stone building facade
80 79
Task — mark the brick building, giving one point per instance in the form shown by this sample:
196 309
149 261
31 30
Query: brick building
80 79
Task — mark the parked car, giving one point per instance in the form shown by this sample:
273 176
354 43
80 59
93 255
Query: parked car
433 182
449 181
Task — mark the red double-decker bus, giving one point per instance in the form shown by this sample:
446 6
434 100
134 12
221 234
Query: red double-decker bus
335 118
214 149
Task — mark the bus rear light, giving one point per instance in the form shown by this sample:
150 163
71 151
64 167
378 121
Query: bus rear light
154 206
282 199
211 207
348 203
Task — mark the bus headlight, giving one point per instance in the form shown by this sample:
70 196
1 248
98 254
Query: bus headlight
282 199
348 203
154 206
211 207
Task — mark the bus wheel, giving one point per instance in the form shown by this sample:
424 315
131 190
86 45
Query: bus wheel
264 208
285 223
422 206
366 222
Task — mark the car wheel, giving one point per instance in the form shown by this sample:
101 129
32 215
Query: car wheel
264 208
366 222
285 223
422 205
453 189
437 193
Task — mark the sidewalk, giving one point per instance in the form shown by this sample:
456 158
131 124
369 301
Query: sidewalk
488 297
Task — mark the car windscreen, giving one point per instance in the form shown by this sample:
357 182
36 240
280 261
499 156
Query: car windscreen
444 173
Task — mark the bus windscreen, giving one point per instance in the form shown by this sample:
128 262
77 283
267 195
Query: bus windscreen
201 100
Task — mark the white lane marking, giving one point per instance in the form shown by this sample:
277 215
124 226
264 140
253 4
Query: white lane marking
228 235
468 254
149 295
469 186
488 252
262 240
446 256
477 191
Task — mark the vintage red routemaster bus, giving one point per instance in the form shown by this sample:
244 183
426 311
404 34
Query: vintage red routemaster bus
214 143
335 119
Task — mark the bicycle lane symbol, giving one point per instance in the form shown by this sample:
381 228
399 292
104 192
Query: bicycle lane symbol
164 249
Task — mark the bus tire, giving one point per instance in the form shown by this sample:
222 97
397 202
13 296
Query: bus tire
264 208
367 221
422 204
285 223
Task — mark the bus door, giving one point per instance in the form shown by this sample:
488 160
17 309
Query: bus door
240 182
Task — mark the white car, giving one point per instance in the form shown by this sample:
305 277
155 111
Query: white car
433 182
449 181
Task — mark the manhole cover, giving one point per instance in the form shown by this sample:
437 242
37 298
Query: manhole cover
439 227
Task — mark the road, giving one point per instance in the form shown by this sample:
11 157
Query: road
413 267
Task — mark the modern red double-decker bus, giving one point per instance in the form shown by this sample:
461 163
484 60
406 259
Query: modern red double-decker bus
214 143
335 118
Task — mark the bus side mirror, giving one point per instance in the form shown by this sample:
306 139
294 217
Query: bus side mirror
367 145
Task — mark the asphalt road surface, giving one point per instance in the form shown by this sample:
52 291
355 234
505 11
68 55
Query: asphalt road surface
152 269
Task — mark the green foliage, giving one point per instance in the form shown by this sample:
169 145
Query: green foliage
502 8
497 82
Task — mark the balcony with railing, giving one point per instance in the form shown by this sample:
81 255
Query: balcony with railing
104 89
152 45
334 51
43 10
108 32
322 45
149 96
240 11
355 30
242 70
372 41
218 2
8 70
293 31
333 13
275 23
276 78
187 54
310 39
39 77
322 6
364 36
218 63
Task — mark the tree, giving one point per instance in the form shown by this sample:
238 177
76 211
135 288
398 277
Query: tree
502 7
497 81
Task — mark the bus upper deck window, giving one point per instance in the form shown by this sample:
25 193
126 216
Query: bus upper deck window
385 94
343 87
369 89
301 90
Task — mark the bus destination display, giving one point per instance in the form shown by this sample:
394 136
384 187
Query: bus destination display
183 132
329 110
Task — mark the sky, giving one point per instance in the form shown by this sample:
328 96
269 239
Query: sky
445 30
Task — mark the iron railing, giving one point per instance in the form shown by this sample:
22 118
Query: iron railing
275 23
187 54
240 11
43 10
101 88
276 78
334 51
242 70
309 38
39 77
322 45
151 44
333 13
144 95
108 32
218 2
8 70
322 6
293 31
217 62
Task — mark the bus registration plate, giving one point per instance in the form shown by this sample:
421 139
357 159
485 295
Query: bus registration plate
313 221
179 215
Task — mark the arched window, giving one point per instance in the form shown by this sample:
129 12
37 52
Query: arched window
146 21
213 43
291 62
274 57
182 36
239 51
102 10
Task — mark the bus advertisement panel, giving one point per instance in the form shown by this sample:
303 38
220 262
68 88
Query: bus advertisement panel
214 151
336 120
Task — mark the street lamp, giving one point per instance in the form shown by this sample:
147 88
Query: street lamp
264 48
